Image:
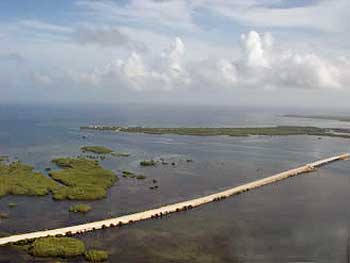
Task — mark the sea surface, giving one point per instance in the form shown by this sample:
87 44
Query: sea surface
302 219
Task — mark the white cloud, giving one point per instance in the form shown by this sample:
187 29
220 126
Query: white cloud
255 48
330 16
166 73
261 66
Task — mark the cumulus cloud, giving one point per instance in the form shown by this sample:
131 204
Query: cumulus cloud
262 65
165 73
267 66
255 49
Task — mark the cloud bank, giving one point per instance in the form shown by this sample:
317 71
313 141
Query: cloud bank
261 65
177 49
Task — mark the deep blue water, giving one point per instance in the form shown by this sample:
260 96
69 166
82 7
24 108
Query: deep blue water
304 219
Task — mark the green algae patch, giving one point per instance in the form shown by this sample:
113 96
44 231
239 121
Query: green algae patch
83 179
80 208
94 255
96 149
120 154
127 174
64 247
20 179
148 163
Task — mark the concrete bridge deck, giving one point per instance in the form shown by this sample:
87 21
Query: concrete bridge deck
167 209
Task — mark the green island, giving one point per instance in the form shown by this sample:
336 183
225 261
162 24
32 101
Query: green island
60 247
239 132
80 208
79 179
83 179
96 149
148 162
120 154
57 247
95 255
127 174
20 179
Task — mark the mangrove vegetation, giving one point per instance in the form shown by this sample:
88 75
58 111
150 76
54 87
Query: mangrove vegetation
60 247
64 247
96 149
82 179
127 174
95 255
20 179
78 179
80 208
239 132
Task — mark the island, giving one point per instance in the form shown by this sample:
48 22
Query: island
83 179
80 208
61 247
237 132
320 117
77 179
96 149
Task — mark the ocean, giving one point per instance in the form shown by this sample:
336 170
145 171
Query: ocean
302 219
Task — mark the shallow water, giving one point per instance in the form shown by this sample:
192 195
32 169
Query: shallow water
303 219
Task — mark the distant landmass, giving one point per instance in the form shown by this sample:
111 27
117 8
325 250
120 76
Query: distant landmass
322 117
239 132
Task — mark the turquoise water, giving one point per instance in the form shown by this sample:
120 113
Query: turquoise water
303 219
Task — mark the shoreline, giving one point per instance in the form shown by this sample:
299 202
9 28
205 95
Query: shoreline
234 131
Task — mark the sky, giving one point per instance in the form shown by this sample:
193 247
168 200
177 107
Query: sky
222 52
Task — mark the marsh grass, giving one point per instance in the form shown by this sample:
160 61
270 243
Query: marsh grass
60 247
96 149
127 174
20 179
94 255
79 179
243 131
148 162
120 154
80 208
64 247
83 179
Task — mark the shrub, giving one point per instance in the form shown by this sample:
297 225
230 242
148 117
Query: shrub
19 179
80 208
57 247
94 255
96 149
84 179
148 163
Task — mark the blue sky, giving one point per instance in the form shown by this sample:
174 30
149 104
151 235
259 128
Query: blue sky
199 51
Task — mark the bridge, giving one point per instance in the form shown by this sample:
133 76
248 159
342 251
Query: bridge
172 208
